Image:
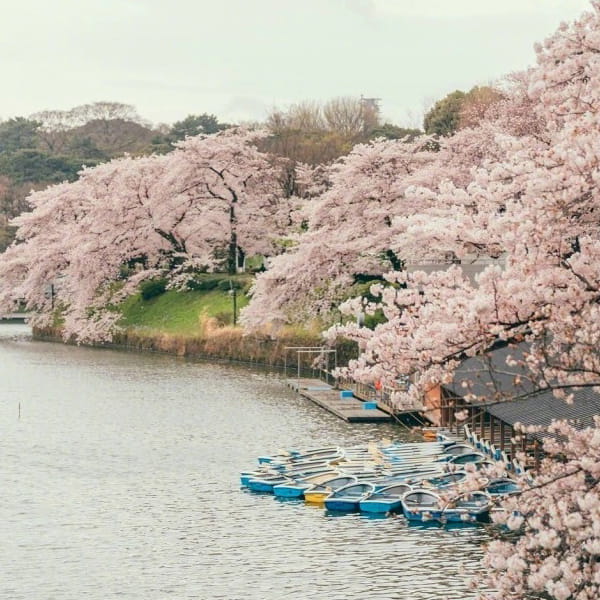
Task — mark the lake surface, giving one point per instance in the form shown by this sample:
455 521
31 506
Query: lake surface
120 479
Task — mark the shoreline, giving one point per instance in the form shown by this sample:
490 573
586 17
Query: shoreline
226 345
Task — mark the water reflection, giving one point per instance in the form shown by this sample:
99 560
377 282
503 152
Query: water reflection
121 480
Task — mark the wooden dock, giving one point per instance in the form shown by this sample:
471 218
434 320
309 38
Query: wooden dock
351 410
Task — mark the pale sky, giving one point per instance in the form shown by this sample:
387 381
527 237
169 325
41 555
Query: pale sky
240 58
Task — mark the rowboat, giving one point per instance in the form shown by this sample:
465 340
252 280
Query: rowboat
289 455
323 455
502 486
411 477
459 449
425 470
447 479
317 492
298 470
267 481
385 500
470 457
294 488
348 497
422 505
468 507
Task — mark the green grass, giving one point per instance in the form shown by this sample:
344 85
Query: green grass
178 312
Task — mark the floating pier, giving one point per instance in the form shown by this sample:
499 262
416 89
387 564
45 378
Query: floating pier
341 403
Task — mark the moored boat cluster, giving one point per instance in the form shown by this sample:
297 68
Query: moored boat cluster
413 479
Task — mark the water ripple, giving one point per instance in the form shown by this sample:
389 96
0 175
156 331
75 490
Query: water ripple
120 480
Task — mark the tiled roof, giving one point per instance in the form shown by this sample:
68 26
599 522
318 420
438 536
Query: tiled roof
492 381
488 377
543 408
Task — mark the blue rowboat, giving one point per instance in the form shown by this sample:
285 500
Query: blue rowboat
422 505
470 457
502 486
298 456
329 456
447 479
417 471
265 482
348 497
468 508
297 465
459 449
263 472
317 493
385 500
294 488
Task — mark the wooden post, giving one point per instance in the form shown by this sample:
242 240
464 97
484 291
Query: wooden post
492 429
512 443
482 424
536 454
472 415
502 435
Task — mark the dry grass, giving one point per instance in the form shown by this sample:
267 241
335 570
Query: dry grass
223 342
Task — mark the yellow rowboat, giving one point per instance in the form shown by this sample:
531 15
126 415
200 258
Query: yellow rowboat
317 493
316 497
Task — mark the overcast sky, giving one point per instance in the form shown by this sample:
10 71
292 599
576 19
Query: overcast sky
240 58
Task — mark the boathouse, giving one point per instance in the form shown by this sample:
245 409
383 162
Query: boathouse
497 397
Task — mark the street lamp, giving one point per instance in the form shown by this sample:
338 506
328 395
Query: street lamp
233 293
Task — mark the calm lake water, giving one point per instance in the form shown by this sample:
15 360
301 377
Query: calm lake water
120 480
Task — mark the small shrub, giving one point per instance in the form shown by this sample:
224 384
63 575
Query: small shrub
153 287
205 284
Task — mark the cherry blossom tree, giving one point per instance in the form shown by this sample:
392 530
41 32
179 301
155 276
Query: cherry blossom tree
383 205
348 233
555 552
537 206
209 202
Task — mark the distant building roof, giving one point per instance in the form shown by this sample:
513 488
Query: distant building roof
470 266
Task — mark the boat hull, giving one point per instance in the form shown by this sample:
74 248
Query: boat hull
263 485
461 516
342 504
423 515
290 491
380 506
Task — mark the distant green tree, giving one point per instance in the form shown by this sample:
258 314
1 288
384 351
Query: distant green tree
195 125
395 132
191 126
18 133
444 116
35 166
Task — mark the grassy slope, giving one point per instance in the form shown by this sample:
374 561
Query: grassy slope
178 312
